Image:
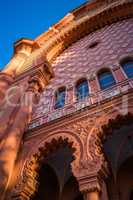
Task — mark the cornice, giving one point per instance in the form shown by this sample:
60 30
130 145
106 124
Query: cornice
85 24
20 44
78 24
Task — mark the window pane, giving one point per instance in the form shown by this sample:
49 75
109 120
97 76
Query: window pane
60 99
106 80
128 68
82 90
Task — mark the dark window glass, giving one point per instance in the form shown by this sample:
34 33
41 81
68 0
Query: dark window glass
128 68
82 89
106 79
60 98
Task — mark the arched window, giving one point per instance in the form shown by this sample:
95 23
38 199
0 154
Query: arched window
128 68
60 98
82 89
106 79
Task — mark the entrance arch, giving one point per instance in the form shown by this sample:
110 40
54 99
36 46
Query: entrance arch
48 151
118 150
53 173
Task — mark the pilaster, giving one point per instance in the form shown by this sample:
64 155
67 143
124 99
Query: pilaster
119 75
12 137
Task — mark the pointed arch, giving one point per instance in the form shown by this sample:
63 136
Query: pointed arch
28 183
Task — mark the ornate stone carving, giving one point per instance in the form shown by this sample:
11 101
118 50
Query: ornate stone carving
90 166
36 83
116 128
28 184
107 129
90 184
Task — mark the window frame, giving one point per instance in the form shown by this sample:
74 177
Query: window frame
56 101
80 81
106 70
125 61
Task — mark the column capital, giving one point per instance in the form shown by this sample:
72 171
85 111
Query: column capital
90 183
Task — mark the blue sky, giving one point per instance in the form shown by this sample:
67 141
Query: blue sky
28 18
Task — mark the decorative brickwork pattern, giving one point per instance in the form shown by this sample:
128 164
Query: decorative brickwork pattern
113 43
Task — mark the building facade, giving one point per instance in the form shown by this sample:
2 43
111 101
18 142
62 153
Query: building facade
66 119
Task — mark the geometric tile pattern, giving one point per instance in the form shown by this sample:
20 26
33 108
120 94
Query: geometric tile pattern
79 61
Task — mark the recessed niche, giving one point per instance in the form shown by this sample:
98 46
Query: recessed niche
92 45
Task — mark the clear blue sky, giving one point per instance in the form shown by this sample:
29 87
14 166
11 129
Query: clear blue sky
28 18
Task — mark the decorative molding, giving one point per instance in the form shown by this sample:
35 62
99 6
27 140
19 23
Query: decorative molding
9 78
20 45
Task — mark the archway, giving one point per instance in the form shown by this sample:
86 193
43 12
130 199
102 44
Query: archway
55 177
118 149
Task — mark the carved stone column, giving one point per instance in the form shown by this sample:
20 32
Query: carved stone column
94 88
90 185
92 195
119 75
10 143
70 94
